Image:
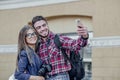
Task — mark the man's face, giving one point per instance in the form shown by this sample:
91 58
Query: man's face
42 28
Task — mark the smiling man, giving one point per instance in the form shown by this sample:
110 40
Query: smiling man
51 54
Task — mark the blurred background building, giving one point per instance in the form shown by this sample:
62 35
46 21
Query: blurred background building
102 18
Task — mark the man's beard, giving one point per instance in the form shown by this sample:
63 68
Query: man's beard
44 36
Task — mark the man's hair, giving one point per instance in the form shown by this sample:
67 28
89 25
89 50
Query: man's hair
37 18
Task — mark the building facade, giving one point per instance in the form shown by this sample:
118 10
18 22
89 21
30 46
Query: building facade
102 18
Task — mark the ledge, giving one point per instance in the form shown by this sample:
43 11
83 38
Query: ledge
13 4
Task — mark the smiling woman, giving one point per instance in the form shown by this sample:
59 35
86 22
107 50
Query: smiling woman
28 62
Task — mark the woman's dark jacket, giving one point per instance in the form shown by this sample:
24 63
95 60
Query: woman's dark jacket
25 69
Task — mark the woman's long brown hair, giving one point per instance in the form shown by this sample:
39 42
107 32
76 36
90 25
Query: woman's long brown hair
22 45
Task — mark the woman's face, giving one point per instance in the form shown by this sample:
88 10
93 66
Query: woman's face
31 37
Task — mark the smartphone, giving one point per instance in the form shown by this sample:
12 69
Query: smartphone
78 23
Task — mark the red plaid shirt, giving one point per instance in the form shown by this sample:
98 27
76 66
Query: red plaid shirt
51 54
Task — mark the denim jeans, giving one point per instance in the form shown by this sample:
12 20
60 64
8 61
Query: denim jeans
60 76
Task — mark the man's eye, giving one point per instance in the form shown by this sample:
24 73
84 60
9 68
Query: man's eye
38 27
44 25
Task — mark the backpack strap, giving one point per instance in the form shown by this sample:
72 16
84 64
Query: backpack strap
57 41
59 46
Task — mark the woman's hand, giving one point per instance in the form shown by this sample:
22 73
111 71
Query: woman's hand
40 78
37 78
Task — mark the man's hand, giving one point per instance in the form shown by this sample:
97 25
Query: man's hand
82 30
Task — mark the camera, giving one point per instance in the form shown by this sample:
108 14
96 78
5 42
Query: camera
45 68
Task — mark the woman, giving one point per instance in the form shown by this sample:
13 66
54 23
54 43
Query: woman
28 63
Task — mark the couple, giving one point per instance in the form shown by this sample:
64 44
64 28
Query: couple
37 53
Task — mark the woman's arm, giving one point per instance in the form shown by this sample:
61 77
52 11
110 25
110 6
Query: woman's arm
20 73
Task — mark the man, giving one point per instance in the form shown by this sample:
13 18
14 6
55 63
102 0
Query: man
51 54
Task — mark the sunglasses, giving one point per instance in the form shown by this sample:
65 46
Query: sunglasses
30 35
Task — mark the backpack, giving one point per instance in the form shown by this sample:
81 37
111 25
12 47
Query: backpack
77 71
